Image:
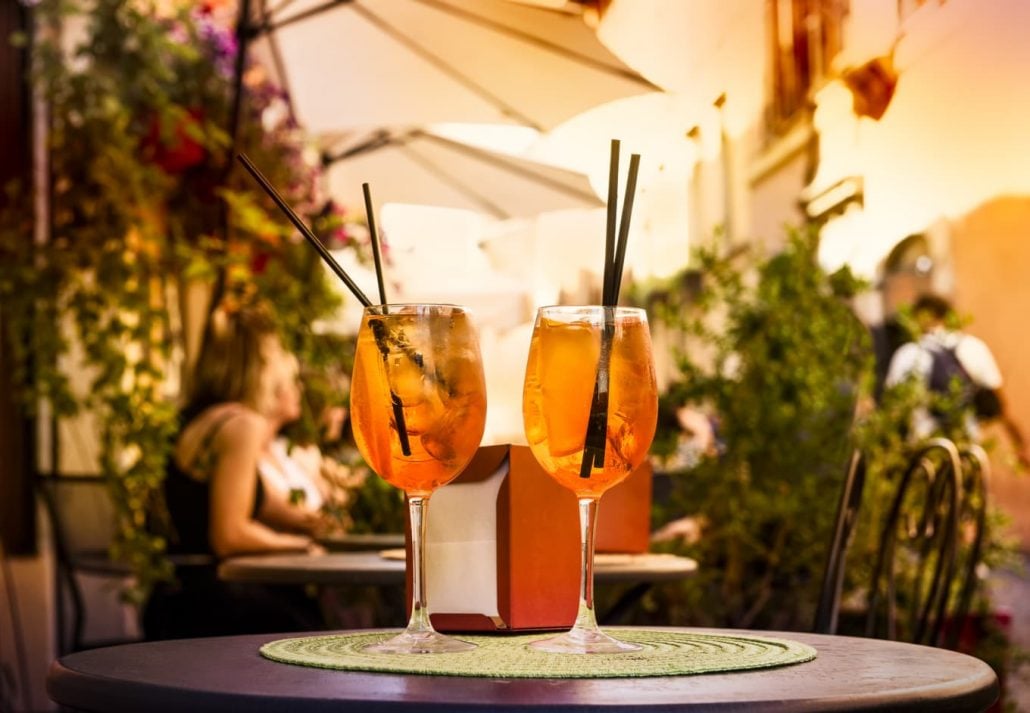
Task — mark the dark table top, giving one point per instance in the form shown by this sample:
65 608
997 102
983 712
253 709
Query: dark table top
227 673
362 542
372 568
297 568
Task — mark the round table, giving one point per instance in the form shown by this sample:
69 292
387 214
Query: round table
227 673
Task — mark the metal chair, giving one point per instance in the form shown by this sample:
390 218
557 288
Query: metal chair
81 518
828 608
920 530
976 475
921 527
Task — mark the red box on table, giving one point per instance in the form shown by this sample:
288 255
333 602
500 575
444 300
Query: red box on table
502 545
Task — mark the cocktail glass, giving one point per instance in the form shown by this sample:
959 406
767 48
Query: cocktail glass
418 405
590 393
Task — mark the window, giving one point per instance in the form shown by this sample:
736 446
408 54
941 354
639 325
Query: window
803 37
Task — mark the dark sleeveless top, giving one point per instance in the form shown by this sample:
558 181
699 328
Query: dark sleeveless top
197 602
189 500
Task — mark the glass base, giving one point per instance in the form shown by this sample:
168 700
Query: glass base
420 642
584 641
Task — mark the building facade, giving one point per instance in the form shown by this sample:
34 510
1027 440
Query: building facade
897 126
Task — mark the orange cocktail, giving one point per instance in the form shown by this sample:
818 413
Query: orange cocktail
443 402
560 379
590 408
418 407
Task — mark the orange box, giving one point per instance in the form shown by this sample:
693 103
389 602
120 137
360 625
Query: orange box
502 544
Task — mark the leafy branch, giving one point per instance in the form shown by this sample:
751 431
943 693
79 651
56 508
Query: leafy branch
142 205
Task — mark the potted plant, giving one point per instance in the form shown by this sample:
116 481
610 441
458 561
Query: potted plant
776 358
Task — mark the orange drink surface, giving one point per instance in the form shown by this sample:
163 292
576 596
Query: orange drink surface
418 365
560 376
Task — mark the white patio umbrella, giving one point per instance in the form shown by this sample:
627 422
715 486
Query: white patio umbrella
416 166
366 64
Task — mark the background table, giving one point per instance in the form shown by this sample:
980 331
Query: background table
640 571
226 673
370 542
337 568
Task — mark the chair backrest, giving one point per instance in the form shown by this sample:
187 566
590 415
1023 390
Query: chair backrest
976 476
918 544
81 517
82 512
828 609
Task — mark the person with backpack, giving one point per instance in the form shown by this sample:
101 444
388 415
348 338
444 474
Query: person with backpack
951 363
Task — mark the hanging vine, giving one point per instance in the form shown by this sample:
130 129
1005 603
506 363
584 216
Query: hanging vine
143 202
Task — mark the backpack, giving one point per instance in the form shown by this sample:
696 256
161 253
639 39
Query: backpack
945 368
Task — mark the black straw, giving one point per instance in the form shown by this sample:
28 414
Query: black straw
609 233
377 258
379 334
595 442
304 230
627 213
377 326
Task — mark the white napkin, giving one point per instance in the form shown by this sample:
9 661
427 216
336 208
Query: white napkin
461 547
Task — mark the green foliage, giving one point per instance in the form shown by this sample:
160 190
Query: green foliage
378 507
775 353
143 200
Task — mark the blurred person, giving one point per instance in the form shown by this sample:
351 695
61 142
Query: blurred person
317 472
245 389
698 435
697 438
292 474
308 490
294 489
943 355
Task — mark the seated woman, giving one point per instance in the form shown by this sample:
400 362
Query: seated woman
293 486
245 389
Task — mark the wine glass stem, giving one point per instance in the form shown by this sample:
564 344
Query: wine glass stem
419 621
585 618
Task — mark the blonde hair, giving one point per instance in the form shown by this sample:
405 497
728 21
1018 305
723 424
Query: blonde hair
238 349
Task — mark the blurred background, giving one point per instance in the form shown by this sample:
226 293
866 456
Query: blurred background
890 133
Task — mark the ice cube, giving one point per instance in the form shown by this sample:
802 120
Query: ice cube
421 414
406 379
458 430
623 451
567 362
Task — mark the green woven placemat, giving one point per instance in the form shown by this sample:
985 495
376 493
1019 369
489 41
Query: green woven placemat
665 653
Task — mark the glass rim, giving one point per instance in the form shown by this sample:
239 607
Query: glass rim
589 309
380 309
